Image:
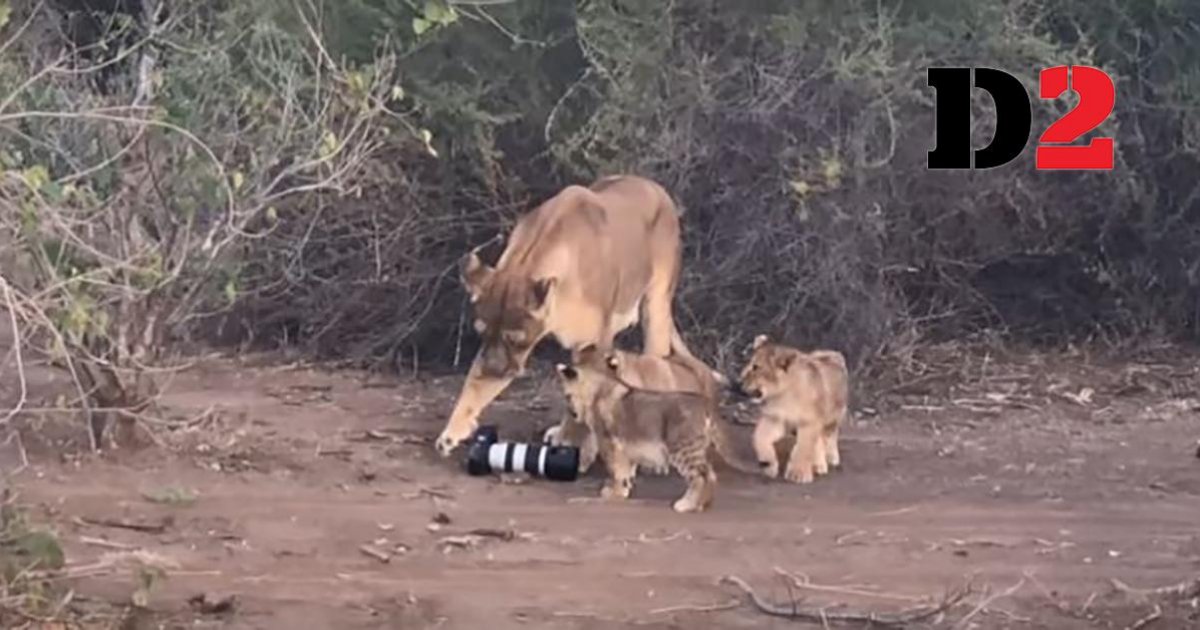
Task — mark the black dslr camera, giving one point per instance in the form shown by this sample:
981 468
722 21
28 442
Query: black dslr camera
487 454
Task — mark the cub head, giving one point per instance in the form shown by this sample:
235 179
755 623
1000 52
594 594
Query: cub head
589 371
763 375
511 311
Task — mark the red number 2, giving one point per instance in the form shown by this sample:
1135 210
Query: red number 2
1096 98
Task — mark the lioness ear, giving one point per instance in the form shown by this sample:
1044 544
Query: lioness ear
474 273
541 290
784 361
759 341
566 371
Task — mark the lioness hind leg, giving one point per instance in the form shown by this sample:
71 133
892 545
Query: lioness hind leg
832 455
802 461
766 433
820 463
657 320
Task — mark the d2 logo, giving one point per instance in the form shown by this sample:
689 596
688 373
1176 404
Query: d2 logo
1014 112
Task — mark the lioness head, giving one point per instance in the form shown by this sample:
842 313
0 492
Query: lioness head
582 379
510 310
763 375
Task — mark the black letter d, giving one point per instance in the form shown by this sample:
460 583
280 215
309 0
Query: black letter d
953 117
1013 112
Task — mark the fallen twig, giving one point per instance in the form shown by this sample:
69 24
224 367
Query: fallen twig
920 380
110 562
487 532
803 581
100 542
1147 620
987 601
461 542
476 536
145 528
842 538
15 436
430 492
22 382
897 512
794 611
1182 590
696 608
375 553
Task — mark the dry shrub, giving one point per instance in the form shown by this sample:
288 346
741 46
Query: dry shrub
129 203
794 136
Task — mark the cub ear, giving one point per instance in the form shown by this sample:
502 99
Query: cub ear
759 341
566 371
541 290
474 273
612 362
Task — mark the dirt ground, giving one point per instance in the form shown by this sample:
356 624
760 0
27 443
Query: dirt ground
1038 479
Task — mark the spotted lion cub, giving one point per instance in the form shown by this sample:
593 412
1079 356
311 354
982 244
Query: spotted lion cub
804 392
674 373
649 428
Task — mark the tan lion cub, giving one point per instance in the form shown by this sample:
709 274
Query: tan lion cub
804 392
674 373
641 427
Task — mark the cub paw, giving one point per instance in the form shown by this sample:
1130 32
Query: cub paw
687 504
551 435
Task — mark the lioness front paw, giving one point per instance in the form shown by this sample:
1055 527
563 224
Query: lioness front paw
797 474
451 438
687 504
770 469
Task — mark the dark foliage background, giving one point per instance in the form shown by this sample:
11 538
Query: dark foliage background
793 133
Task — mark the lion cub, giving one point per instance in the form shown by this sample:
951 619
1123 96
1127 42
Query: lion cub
804 392
649 428
675 373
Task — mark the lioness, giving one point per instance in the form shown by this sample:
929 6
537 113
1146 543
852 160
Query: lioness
654 429
642 371
805 392
583 266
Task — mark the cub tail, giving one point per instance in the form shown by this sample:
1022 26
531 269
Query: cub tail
724 447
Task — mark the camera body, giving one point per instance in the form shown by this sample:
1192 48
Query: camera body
487 454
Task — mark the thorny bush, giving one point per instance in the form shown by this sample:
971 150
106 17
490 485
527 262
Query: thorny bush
128 210
794 135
